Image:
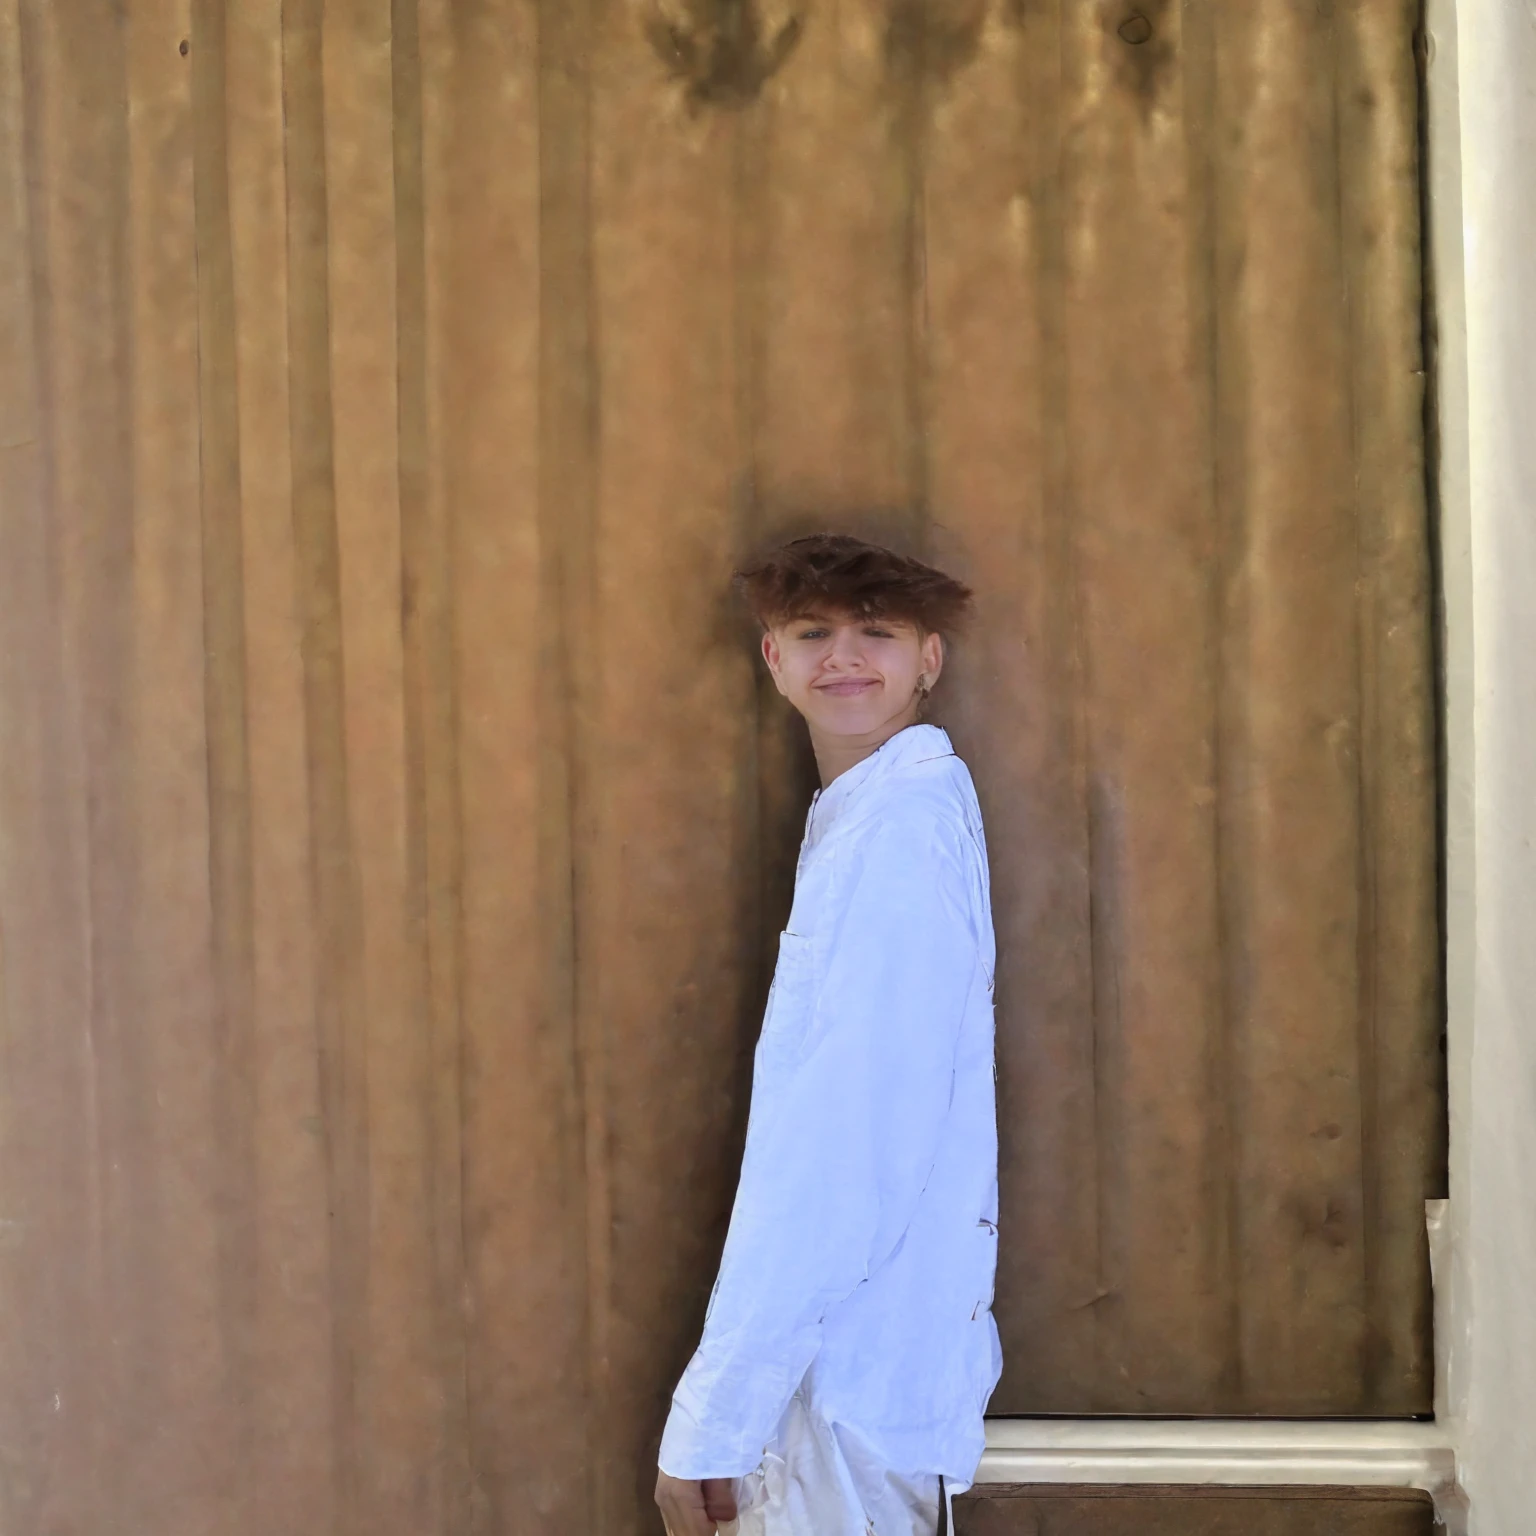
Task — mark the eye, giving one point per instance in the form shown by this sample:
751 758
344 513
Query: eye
813 634
878 632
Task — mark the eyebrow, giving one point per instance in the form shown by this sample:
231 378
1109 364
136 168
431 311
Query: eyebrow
828 618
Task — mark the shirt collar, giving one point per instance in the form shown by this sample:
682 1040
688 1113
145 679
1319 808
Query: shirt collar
912 744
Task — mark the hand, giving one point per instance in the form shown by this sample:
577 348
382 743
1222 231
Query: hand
691 1508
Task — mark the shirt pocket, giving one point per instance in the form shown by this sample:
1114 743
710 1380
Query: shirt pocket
791 1000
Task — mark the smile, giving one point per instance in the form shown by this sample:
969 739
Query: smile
848 686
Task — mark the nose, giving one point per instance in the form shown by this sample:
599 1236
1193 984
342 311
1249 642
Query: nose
846 652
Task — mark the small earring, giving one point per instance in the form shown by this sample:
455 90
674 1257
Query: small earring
922 687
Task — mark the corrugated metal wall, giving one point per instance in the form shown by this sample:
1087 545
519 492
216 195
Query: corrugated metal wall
392 822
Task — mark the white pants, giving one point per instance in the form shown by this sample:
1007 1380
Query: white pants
820 1479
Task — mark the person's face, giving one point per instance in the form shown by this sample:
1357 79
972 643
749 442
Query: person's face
852 677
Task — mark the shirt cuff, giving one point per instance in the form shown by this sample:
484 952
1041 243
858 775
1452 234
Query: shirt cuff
690 1452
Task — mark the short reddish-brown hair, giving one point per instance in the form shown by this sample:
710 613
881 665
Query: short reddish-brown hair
837 573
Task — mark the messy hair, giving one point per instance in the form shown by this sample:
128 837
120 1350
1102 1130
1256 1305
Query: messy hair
838 573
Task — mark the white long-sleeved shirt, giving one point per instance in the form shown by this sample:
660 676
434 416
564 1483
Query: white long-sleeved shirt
862 1248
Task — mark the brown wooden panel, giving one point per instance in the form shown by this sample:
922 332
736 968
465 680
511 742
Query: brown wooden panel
997 465
1403 1086
186 1074
403 1413
337 978
49 1286
86 1079
1182 1511
1139 493
836 427
505 285
225 864
436 894
666 799
1291 819
259 758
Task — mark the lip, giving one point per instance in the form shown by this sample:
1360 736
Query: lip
848 687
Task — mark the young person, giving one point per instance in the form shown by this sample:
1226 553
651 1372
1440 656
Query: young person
849 1348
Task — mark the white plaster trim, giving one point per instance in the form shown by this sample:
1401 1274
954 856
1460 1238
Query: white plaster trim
1247 1453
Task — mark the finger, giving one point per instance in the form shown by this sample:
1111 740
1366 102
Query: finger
720 1498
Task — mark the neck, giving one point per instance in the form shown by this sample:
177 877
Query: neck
835 755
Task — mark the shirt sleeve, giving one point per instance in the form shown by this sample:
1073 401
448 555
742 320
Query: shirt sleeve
835 1164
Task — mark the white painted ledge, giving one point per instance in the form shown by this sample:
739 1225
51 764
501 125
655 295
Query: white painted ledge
1246 1453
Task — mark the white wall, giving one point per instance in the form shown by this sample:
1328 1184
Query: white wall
1483 207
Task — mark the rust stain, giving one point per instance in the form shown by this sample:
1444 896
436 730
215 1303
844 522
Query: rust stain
1333 1225
722 51
1141 47
930 39
1021 13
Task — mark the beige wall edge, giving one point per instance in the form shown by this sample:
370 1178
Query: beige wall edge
1214 1451
1482 135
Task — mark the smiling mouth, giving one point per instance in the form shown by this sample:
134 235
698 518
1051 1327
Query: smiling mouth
847 687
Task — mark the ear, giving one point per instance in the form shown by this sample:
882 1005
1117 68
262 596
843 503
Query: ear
933 657
772 657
